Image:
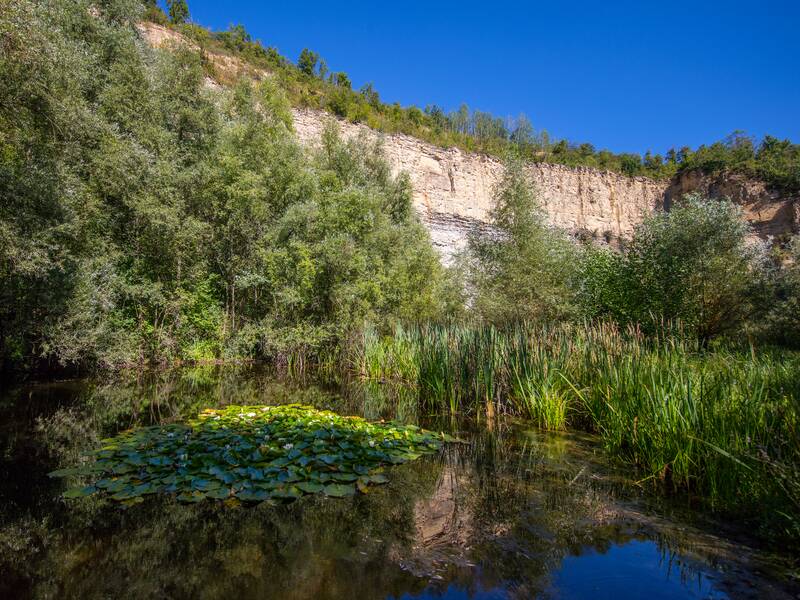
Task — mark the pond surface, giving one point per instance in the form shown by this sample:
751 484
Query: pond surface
512 513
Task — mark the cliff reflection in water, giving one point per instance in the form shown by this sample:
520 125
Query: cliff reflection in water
511 513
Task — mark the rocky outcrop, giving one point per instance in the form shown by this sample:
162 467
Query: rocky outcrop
453 190
774 215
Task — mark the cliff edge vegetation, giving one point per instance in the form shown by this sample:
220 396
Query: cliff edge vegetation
309 82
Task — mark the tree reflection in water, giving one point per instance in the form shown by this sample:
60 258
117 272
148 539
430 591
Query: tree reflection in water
494 517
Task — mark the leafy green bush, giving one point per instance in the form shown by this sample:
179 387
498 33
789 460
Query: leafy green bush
782 324
692 264
521 268
146 217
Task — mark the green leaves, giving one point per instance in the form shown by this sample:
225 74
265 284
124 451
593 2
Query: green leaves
339 490
253 454
80 492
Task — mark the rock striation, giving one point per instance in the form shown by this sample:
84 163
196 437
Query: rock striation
453 190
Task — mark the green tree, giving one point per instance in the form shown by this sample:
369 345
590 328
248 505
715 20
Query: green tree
520 268
307 62
523 133
145 217
341 80
370 95
693 264
178 11
783 322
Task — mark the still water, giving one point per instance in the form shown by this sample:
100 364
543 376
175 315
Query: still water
512 513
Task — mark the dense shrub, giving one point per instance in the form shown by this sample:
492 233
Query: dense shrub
693 264
145 217
521 268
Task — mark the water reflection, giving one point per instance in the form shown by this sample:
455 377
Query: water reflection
514 513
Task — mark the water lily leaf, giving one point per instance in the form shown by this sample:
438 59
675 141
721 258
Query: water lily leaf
378 478
124 494
144 488
66 472
223 475
328 459
205 484
121 468
218 494
134 459
252 495
80 492
309 487
339 490
132 501
289 492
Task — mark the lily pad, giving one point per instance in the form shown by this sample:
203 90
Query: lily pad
339 490
309 487
250 454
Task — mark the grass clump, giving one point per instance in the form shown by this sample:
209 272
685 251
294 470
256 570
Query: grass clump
252 454
720 423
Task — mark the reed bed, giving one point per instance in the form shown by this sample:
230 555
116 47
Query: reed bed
720 423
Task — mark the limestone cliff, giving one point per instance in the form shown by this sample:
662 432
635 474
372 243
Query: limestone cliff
773 214
452 189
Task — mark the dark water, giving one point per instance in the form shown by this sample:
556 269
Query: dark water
513 513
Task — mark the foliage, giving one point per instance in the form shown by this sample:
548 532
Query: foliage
521 268
307 63
251 453
721 424
146 217
178 11
692 264
782 323
774 161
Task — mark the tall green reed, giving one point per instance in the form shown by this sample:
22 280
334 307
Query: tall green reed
720 423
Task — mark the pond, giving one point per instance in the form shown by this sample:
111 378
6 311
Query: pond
512 512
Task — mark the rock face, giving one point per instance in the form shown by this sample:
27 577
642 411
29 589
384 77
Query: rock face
773 215
453 190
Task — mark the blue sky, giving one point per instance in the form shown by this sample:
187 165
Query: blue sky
627 76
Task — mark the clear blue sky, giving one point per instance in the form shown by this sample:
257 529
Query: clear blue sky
628 76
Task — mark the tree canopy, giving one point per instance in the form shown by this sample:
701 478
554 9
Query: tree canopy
147 217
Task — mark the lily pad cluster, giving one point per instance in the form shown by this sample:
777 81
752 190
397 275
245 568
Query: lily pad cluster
251 454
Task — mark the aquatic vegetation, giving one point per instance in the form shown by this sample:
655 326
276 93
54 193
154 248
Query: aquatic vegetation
252 454
721 423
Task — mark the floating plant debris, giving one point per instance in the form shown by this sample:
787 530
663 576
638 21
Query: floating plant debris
251 453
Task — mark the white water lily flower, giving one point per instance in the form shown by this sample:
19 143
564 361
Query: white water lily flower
372 443
288 446
251 414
